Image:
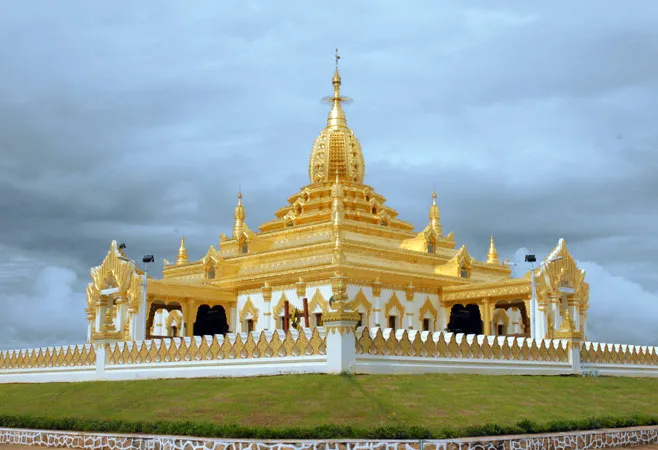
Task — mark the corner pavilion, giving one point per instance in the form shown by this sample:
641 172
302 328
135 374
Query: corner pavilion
336 229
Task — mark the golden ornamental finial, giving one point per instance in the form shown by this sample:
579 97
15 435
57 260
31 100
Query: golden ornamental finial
492 256
337 58
435 216
182 252
238 217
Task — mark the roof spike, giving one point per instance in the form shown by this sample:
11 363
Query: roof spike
435 217
238 217
492 256
182 252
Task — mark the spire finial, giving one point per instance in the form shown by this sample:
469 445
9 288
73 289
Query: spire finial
492 256
337 58
435 216
238 217
182 251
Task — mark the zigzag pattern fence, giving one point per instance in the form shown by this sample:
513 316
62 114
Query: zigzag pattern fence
218 347
449 345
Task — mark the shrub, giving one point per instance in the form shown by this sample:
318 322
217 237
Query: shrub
212 430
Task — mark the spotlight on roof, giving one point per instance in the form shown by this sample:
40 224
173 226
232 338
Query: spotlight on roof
530 258
122 246
148 259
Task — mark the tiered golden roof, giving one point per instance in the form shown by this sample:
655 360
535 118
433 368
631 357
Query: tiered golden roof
338 223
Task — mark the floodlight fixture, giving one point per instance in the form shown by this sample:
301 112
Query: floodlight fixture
148 259
530 258
122 246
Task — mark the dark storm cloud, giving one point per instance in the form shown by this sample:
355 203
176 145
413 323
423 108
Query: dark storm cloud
139 122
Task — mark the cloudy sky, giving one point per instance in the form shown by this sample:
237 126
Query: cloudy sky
137 121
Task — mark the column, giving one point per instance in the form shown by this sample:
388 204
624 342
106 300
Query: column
378 313
446 314
341 326
142 313
233 320
487 316
189 316
267 296
100 314
90 329
531 316
121 313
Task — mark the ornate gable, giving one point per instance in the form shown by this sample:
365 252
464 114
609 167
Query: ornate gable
394 302
318 300
458 266
115 272
560 275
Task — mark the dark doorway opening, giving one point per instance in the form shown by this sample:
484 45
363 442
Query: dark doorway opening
465 319
210 321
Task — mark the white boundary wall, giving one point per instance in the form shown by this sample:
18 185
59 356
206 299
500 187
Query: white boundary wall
371 351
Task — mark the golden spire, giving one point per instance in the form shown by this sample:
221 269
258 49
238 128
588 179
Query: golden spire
435 216
336 114
238 217
492 256
336 148
182 252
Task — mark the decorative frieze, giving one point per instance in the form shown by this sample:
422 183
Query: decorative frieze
576 440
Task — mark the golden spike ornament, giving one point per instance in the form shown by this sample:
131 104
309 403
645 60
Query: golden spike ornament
182 252
492 256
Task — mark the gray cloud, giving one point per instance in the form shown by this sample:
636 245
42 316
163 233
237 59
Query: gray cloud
137 123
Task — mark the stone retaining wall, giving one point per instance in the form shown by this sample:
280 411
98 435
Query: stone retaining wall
583 440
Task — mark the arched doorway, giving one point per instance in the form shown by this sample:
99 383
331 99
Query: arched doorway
210 321
518 319
465 319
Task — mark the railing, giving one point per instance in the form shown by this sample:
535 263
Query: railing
313 351
50 357
267 344
449 345
595 353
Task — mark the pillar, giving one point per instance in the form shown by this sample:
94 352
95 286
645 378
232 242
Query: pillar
341 341
378 313
233 319
377 293
90 329
446 314
142 313
121 313
267 297
189 316
101 359
487 316
574 355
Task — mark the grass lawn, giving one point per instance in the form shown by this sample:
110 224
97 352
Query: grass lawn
368 401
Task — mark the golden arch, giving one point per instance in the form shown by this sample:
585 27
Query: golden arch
278 309
318 299
361 300
427 308
394 302
174 317
247 309
500 316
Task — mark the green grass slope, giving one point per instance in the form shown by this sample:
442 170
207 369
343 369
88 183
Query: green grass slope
435 402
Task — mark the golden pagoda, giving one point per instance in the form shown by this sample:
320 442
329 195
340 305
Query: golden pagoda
336 235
